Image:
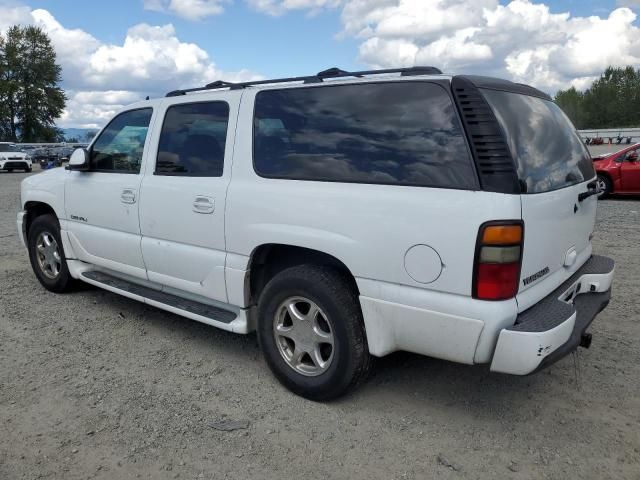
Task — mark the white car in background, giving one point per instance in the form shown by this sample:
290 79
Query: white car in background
12 159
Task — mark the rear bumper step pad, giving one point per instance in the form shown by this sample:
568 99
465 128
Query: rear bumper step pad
553 327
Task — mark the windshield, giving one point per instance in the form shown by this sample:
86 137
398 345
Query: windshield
546 147
6 147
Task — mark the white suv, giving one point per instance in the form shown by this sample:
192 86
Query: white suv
11 158
342 215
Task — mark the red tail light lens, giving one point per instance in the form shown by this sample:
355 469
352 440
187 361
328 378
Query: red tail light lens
497 281
498 259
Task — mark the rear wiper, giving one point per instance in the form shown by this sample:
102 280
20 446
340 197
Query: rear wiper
593 190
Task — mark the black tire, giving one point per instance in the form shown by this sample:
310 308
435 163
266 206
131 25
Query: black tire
10 170
332 292
48 224
605 186
28 169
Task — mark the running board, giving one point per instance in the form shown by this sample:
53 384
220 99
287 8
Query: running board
202 312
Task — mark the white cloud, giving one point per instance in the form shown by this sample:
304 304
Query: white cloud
523 41
280 7
88 110
100 78
13 16
423 20
189 9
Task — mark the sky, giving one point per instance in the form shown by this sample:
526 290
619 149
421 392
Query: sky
117 52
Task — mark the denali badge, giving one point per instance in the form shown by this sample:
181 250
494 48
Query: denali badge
80 219
535 276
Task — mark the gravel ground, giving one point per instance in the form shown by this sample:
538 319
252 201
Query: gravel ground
93 385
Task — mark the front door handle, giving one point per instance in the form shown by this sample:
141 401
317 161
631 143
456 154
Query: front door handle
128 196
203 204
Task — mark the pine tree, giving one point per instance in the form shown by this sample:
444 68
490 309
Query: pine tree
30 98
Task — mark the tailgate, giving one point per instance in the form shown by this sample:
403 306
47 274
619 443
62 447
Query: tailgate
553 168
557 240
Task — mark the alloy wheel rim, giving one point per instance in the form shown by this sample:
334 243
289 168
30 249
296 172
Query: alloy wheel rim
304 336
602 186
48 255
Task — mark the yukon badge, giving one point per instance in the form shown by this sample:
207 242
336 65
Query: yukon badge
535 276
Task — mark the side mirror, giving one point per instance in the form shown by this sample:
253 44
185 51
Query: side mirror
79 160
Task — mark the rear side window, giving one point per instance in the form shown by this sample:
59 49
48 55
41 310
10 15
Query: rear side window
192 140
120 146
402 133
548 152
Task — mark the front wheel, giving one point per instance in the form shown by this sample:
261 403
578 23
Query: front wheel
311 332
604 185
28 169
47 255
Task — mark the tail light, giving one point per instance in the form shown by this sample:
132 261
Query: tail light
496 272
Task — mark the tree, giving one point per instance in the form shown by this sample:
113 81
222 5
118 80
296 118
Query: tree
612 101
571 101
30 98
89 135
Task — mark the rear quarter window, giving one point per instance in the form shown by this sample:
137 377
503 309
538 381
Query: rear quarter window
399 133
548 152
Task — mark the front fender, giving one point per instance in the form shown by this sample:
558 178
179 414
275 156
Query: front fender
47 188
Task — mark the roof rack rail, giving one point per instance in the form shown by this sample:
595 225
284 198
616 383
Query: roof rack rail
219 84
317 78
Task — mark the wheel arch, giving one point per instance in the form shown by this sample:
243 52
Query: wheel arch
268 259
34 210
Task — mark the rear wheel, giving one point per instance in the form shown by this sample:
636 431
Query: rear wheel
311 332
47 255
604 185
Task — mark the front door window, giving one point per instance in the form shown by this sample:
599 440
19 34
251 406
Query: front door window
119 147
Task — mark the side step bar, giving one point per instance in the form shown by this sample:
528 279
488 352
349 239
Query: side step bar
202 312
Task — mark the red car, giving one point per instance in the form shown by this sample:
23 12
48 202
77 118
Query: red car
619 172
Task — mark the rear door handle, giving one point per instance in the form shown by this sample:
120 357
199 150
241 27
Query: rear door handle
128 196
204 204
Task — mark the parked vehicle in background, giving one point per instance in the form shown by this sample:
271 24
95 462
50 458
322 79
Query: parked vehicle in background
619 172
63 153
594 141
602 156
11 158
47 157
26 148
341 215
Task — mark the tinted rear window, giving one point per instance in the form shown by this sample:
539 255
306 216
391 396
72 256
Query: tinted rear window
548 152
403 133
192 140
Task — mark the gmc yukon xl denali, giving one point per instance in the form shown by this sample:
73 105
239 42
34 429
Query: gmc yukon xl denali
342 215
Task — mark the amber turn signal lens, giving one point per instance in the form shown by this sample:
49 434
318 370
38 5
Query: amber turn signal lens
502 234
